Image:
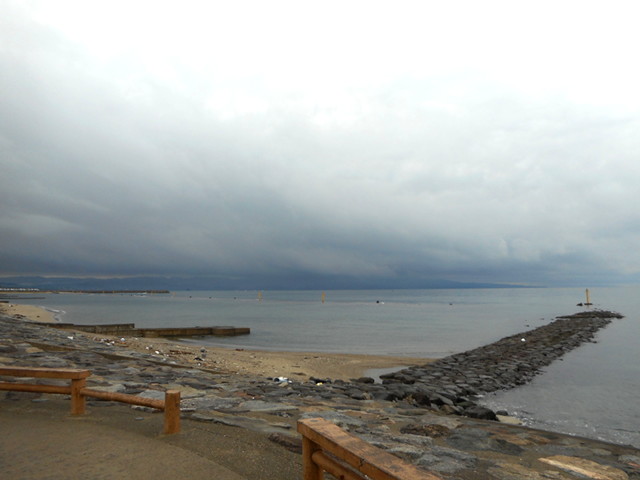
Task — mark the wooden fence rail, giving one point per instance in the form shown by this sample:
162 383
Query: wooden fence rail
78 392
328 448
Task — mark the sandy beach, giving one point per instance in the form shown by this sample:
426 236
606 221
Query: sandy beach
293 365
27 312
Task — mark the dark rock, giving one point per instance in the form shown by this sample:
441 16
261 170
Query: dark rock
428 430
356 394
480 412
293 444
382 395
439 399
393 395
320 380
364 380
421 398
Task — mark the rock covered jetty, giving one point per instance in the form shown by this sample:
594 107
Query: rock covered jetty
454 381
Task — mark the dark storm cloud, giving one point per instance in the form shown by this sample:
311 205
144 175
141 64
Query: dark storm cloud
129 151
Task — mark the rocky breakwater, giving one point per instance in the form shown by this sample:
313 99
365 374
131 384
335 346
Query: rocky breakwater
453 383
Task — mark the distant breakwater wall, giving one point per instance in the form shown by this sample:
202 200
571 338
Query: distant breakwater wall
129 329
37 290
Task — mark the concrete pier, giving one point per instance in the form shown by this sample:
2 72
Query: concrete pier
193 331
129 329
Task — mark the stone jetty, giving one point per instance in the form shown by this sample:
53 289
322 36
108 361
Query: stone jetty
512 361
426 415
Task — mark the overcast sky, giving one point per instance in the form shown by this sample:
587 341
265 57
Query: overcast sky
393 141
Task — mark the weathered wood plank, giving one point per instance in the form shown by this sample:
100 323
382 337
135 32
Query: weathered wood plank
371 461
42 372
30 387
124 398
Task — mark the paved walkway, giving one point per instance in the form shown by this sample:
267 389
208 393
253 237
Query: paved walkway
41 440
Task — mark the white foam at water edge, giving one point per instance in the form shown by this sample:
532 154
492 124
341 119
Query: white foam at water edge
57 314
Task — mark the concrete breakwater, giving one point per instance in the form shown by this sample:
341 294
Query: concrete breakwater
129 329
91 292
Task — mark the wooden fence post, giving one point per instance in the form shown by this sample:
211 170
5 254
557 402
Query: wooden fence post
311 471
172 411
78 401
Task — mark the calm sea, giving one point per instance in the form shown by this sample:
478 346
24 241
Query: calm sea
593 391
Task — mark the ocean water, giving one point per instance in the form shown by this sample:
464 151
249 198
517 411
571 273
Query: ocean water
593 391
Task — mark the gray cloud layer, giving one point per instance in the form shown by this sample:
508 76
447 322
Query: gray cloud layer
161 148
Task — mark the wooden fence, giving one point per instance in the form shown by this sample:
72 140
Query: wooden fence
328 448
78 392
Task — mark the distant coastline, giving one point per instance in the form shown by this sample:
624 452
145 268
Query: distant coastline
240 283
35 290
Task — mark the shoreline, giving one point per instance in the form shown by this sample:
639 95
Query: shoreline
264 363
392 416
28 312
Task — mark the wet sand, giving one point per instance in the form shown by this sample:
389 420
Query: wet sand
27 312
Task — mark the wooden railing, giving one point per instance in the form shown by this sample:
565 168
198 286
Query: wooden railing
328 448
78 391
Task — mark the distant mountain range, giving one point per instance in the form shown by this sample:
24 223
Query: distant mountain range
299 282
